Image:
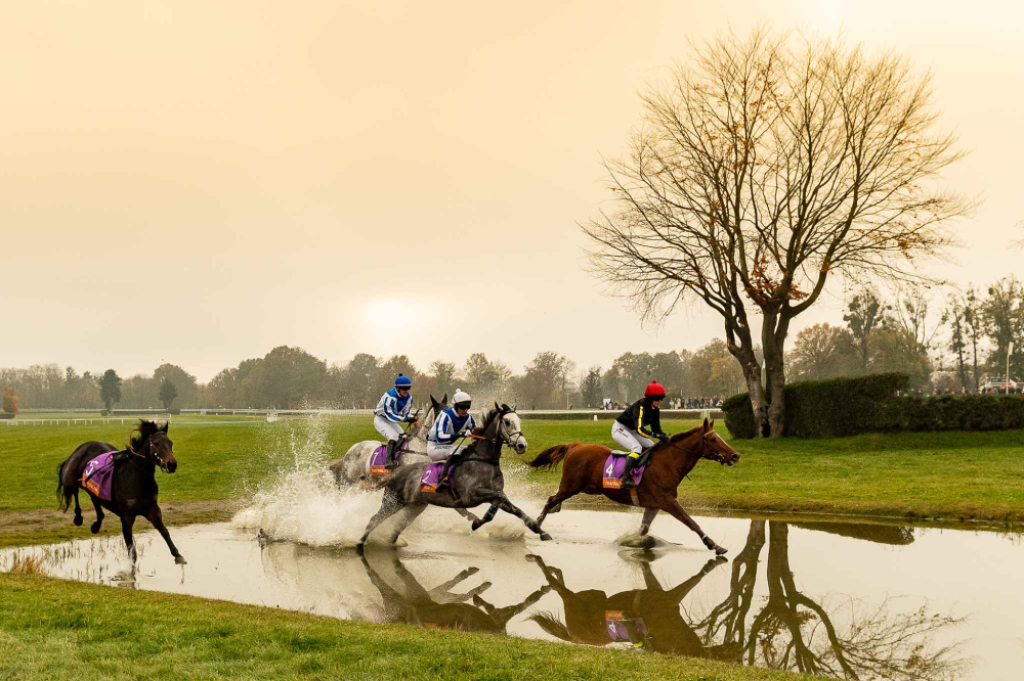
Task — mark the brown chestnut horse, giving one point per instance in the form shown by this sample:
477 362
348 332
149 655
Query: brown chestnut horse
670 461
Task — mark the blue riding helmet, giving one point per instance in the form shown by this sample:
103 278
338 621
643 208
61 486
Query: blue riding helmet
403 382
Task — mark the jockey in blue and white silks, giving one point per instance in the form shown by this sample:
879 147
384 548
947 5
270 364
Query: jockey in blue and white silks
452 424
394 408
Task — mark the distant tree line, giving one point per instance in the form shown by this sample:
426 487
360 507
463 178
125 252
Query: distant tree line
954 343
289 378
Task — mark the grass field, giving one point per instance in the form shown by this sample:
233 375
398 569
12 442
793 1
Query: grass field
944 476
54 629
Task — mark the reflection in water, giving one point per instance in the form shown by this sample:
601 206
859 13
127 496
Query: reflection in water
411 603
794 631
779 604
648 618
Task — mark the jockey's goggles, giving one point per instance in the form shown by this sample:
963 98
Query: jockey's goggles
463 405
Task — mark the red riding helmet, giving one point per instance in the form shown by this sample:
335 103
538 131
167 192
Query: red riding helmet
654 390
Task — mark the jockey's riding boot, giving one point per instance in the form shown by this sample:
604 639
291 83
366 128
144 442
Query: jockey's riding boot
627 478
443 481
389 460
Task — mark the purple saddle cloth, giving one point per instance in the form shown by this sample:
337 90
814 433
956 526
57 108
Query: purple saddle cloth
99 474
377 461
613 468
431 476
618 625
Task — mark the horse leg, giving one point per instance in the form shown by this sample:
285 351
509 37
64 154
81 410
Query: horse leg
554 504
405 519
672 507
78 510
99 514
508 507
390 505
488 517
127 521
645 524
156 516
468 516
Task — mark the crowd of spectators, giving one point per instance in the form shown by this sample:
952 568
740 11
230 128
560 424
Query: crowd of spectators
673 403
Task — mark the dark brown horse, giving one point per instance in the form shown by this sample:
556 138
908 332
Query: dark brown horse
670 461
133 488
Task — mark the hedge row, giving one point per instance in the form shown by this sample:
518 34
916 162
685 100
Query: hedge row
867 404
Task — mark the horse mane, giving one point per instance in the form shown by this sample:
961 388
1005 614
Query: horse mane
146 429
679 437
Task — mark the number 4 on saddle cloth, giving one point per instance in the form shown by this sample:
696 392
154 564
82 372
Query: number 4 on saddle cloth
99 474
614 466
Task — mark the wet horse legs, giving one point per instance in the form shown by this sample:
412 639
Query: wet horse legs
645 524
99 514
508 507
390 505
672 507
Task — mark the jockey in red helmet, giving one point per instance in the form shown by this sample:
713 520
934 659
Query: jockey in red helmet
635 427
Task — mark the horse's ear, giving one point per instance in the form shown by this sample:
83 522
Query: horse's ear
505 408
496 407
166 426
712 425
444 400
705 424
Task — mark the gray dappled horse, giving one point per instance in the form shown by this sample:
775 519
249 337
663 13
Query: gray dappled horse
353 468
475 481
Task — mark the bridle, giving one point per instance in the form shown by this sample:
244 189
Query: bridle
149 455
510 438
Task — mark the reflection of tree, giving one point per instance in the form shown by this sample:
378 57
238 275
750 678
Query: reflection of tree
793 631
648 618
411 603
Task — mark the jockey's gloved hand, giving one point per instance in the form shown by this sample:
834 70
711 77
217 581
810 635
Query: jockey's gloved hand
663 436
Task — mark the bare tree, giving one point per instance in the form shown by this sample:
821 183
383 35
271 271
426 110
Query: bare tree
762 169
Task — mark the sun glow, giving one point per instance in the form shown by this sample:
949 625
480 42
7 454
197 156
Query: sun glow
387 313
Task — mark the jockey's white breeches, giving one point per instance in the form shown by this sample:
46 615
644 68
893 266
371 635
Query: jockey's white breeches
438 452
388 429
630 439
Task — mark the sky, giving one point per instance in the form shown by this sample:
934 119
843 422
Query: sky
197 183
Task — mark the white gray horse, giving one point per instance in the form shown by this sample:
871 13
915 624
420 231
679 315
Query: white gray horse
354 467
476 480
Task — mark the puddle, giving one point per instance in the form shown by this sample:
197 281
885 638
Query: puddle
840 599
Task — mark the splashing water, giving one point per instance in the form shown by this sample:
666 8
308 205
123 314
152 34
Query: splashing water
299 501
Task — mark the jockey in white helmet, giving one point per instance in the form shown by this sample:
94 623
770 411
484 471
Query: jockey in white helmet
454 423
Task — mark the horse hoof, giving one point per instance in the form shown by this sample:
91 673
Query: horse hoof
180 560
476 525
95 527
79 520
359 548
720 550
545 536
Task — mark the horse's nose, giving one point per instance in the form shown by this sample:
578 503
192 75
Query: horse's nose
521 446
735 457
172 466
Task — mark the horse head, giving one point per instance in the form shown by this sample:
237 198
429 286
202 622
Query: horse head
711 446
511 428
152 444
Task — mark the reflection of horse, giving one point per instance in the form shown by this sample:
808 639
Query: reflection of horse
353 468
439 607
133 489
476 480
669 463
649 618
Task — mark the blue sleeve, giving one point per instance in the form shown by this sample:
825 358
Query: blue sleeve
470 424
389 409
441 430
407 411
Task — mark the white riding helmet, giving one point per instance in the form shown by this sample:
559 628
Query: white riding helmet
462 398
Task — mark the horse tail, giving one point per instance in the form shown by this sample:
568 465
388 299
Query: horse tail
552 456
63 498
552 624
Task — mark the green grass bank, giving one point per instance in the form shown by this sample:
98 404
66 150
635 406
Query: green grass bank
55 629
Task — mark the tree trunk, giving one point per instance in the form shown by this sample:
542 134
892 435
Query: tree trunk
773 339
741 346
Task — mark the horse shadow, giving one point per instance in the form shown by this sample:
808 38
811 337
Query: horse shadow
410 602
648 618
